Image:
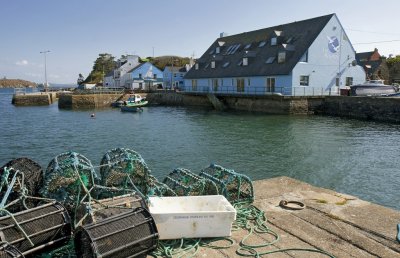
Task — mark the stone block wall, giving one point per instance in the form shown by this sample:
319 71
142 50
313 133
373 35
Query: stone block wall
36 99
383 109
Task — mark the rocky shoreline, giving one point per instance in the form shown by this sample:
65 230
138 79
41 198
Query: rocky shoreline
15 83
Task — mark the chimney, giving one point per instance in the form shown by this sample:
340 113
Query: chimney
223 34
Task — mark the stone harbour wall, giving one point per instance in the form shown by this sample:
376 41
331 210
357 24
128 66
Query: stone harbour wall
86 101
34 99
385 109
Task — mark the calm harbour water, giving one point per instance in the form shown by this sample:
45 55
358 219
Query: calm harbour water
349 156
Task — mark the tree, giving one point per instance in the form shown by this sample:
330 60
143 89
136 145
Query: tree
392 60
104 64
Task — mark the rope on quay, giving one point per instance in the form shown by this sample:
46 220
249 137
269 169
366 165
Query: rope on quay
253 219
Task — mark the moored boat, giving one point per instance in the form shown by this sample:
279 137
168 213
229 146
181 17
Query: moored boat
134 103
373 88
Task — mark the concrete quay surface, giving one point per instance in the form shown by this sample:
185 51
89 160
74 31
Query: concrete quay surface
339 224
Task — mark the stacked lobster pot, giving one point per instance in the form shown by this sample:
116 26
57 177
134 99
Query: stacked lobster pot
7 250
115 227
28 224
234 186
186 183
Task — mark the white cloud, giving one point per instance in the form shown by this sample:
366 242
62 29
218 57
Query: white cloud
22 62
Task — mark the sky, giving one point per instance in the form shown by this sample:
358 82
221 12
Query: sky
77 31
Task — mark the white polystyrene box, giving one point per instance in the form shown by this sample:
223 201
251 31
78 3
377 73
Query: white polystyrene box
192 216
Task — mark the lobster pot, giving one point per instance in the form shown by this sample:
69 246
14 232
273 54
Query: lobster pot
7 250
123 167
32 173
156 188
102 209
128 234
66 178
45 225
234 186
185 183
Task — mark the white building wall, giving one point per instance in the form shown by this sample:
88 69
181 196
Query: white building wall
330 56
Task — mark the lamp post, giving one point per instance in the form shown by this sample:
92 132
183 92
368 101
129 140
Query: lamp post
45 68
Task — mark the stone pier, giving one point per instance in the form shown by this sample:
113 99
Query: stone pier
340 224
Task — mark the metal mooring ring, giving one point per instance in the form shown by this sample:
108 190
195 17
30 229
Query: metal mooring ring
284 204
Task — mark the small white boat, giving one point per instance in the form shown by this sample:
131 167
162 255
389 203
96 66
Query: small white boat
372 88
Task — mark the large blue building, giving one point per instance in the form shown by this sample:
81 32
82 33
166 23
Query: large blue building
310 57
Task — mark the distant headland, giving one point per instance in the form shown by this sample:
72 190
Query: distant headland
15 83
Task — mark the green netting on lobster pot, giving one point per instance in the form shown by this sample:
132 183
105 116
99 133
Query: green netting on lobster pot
122 167
68 177
234 186
185 183
156 188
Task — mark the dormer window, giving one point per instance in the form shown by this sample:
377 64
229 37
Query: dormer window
274 40
281 57
213 64
196 66
217 50
304 58
245 61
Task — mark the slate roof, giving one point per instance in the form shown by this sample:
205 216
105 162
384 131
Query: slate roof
175 69
363 59
293 38
365 56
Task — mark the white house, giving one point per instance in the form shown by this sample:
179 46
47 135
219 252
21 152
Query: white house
309 57
118 77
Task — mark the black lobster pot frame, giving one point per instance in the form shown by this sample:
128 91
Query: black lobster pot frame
105 208
7 250
46 226
128 234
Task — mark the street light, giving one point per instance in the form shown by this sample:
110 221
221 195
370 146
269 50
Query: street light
45 68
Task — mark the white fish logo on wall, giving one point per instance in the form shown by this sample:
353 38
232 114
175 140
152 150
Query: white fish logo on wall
333 44
333 47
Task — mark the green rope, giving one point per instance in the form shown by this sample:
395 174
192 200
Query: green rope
253 219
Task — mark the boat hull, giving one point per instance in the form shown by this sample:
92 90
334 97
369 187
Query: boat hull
367 90
133 107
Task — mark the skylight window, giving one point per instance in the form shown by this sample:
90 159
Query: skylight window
247 46
240 62
270 60
211 52
205 67
262 43
226 64
229 49
235 49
